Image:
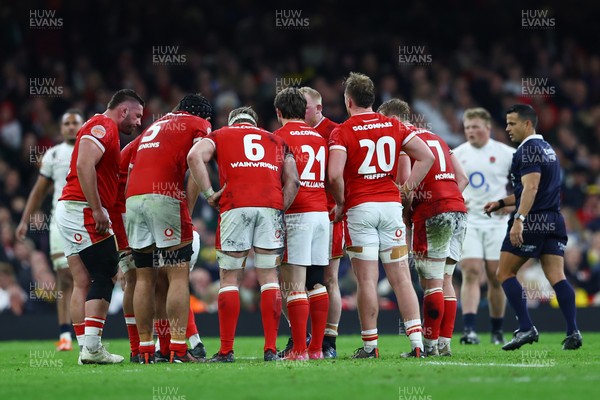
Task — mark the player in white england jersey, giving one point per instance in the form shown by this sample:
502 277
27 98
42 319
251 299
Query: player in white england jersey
53 173
487 164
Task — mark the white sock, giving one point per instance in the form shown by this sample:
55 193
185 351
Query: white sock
66 336
194 340
414 331
442 341
369 338
93 334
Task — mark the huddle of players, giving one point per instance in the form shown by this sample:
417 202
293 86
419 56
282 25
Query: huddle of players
272 200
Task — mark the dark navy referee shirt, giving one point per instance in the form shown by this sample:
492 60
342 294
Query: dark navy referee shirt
534 154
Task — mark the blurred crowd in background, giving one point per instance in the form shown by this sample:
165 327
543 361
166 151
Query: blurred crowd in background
242 55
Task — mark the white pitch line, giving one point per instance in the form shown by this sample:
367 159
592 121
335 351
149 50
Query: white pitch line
465 364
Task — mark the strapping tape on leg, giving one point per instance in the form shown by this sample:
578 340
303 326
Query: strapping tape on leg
367 253
393 254
229 262
267 260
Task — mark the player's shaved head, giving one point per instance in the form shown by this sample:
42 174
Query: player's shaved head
314 94
478 112
243 115
291 103
360 88
395 108
124 95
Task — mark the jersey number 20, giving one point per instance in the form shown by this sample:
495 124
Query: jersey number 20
385 159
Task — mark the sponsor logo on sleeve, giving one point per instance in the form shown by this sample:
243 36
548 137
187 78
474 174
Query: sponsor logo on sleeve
98 131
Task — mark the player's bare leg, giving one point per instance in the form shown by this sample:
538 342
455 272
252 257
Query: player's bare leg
496 301
553 266
367 274
470 296
81 286
293 291
64 288
335 308
398 274
266 262
231 272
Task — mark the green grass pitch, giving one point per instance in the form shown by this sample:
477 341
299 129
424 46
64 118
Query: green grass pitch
32 370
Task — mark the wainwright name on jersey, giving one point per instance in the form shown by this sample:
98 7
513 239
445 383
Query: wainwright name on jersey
488 168
256 155
310 152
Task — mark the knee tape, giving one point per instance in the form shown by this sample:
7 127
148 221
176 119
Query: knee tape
314 276
267 260
429 269
393 254
369 253
101 287
101 259
195 250
173 258
60 263
229 262
126 262
142 260
449 269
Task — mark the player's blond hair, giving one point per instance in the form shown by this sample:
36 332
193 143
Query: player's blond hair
360 88
395 107
314 94
478 112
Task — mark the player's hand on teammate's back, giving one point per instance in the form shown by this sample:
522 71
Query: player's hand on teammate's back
102 221
213 200
21 231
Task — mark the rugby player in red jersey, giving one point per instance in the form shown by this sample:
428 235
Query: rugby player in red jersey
307 228
117 217
437 214
259 181
158 221
83 220
324 126
363 170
